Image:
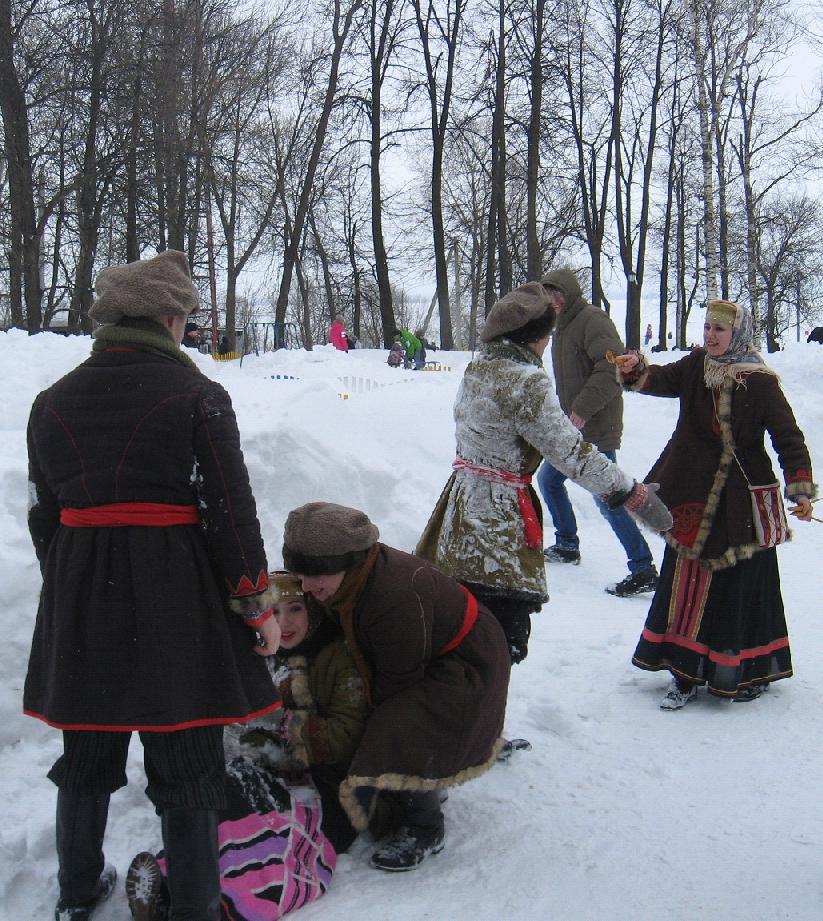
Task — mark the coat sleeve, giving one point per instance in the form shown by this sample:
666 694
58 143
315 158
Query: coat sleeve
541 422
333 730
44 509
662 380
601 388
227 506
787 439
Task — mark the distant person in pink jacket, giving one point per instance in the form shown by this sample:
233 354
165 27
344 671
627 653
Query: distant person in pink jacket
338 336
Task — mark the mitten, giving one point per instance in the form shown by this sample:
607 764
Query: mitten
643 503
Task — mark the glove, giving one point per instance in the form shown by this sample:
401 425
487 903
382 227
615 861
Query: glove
643 503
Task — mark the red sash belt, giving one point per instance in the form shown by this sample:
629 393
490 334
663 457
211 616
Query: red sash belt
129 514
532 529
469 619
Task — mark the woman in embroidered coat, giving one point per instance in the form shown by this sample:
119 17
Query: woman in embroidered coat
433 663
486 529
717 616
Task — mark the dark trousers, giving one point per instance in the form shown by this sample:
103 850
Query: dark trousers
514 616
186 773
183 768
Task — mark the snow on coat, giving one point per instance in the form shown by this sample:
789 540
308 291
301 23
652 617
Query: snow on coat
507 417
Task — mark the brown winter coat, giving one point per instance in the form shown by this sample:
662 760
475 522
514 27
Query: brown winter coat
436 715
584 378
133 629
700 480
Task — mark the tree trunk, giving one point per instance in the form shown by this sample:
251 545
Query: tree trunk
439 125
24 247
499 129
291 254
706 145
534 258
378 50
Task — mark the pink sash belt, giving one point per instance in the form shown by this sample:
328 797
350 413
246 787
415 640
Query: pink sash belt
532 529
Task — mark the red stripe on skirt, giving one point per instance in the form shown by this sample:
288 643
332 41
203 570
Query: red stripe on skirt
719 657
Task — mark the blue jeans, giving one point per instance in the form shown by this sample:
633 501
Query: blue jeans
552 484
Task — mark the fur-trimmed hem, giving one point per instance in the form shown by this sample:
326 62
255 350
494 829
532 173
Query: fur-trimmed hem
731 557
251 604
359 817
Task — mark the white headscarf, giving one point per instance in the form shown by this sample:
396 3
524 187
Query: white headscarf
740 358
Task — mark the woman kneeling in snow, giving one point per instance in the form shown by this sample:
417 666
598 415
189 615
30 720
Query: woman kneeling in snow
284 825
434 665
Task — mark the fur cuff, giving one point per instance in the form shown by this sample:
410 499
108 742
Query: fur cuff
250 606
801 488
637 380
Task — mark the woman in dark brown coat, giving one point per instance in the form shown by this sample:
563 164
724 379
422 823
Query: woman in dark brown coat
717 616
434 663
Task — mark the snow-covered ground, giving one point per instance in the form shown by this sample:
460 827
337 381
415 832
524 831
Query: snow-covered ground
620 812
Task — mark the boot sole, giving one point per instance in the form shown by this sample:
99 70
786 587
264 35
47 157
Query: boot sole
414 866
144 887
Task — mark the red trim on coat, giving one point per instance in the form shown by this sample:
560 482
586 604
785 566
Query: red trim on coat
246 587
176 727
260 618
532 529
469 619
718 657
130 514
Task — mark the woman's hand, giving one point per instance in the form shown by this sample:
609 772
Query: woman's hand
628 365
269 633
803 509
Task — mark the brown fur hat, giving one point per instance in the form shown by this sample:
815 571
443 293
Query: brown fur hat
322 537
150 288
515 309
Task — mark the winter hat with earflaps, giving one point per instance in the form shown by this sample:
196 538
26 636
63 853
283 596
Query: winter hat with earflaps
322 537
150 288
515 309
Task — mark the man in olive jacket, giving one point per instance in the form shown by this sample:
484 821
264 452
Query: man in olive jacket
592 399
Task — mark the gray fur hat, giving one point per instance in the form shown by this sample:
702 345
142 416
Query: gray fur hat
150 288
515 309
320 536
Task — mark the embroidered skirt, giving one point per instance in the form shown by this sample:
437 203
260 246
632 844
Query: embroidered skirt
724 629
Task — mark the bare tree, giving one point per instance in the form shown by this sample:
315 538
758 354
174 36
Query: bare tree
440 31
340 27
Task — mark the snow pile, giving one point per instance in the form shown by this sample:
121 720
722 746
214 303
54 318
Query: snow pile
620 811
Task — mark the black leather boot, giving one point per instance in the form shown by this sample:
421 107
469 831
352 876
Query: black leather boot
84 878
193 876
421 833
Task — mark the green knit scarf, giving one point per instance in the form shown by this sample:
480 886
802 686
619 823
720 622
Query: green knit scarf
139 333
